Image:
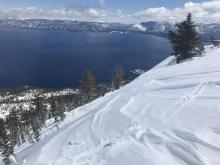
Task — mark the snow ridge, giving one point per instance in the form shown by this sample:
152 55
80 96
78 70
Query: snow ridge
169 115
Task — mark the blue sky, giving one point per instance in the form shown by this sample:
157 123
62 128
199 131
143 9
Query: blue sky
128 6
125 11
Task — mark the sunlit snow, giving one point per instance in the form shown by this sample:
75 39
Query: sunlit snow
170 115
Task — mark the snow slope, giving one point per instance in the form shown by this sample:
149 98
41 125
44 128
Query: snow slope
168 116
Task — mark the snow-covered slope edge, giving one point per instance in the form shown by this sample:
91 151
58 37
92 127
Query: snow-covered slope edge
169 115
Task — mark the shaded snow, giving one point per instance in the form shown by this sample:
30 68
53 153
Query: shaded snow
169 115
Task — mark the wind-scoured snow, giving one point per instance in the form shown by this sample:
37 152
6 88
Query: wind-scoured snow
168 116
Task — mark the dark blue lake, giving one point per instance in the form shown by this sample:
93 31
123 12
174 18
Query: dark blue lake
57 59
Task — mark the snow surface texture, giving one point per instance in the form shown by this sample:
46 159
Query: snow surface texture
168 116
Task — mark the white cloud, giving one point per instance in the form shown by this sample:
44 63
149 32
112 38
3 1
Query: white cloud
202 12
208 11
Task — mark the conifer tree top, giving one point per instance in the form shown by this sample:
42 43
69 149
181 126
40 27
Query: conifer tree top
185 40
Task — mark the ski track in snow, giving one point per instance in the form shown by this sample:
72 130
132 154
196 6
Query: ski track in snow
185 100
169 115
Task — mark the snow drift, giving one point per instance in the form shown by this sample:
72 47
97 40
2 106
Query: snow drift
169 115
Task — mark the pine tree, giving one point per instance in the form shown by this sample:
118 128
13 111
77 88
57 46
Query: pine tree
21 127
60 106
35 124
185 40
53 108
88 86
36 130
118 78
41 110
26 117
58 109
62 109
12 122
5 145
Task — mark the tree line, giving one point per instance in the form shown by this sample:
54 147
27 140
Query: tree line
25 125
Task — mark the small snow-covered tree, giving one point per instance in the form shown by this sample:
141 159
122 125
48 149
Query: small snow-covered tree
185 40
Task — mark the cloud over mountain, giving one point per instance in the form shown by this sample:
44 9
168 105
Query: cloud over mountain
207 12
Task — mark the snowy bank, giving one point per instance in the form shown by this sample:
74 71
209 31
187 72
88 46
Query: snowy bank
169 115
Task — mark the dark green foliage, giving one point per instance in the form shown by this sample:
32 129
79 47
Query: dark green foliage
88 86
118 79
185 41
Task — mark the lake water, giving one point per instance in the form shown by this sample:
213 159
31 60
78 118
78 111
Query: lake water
57 59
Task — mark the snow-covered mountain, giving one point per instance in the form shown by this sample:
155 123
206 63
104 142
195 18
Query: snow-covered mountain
77 26
209 28
169 115
157 27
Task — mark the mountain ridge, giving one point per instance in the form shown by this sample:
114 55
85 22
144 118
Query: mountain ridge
80 26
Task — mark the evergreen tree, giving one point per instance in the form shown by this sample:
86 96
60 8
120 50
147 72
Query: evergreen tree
185 40
77 101
35 124
53 108
60 108
57 109
118 78
26 117
21 127
88 86
36 129
41 110
12 122
5 145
